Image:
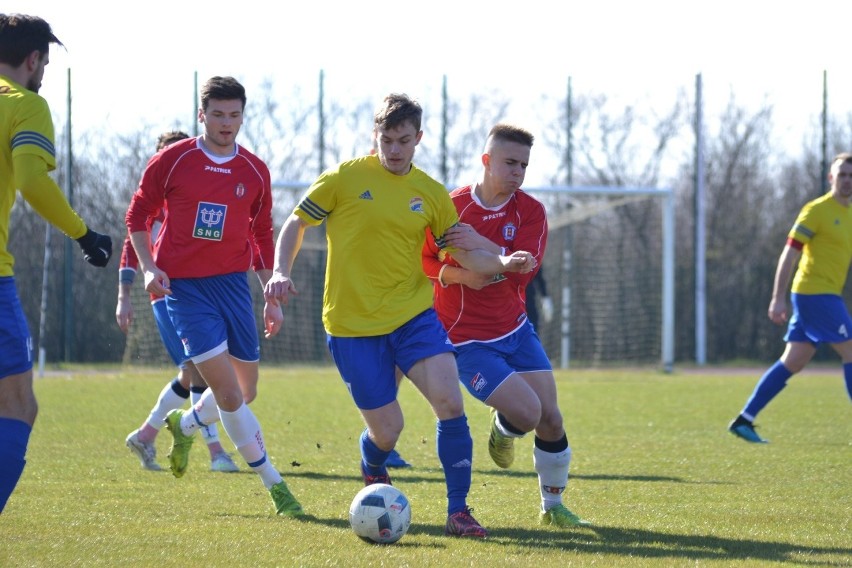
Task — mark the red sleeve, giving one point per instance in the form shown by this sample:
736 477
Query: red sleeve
261 225
431 263
531 237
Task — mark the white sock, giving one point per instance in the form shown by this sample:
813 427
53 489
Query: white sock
201 414
169 400
552 472
244 430
209 432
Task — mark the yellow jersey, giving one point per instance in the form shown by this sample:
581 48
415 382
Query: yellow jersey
375 229
824 227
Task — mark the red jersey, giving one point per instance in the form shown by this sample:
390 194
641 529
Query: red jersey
499 308
217 211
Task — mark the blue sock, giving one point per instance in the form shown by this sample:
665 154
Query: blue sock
372 457
455 450
14 437
770 384
847 376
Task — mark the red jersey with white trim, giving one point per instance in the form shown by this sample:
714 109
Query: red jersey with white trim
217 211
499 308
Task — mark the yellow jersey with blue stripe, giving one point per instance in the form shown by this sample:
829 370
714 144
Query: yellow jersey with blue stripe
375 228
27 129
824 227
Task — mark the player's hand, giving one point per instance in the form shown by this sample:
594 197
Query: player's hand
97 248
519 261
778 311
273 319
157 282
278 289
124 313
465 237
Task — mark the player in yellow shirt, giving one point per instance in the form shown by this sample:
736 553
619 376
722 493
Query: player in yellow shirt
377 303
26 157
821 243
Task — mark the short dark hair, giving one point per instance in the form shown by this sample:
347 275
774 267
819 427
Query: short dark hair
511 133
222 89
170 137
396 109
20 35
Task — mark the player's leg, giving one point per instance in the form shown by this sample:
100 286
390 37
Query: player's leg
845 351
425 355
367 368
18 406
220 460
395 460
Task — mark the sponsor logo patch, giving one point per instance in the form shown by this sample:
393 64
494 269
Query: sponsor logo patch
478 382
209 221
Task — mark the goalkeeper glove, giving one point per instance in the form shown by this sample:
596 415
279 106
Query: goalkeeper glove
97 248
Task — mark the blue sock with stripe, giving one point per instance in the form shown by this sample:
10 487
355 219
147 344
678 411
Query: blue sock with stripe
455 450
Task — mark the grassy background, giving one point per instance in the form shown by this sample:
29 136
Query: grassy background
653 468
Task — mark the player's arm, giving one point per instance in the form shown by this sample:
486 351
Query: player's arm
443 272
787 263
279 286
42 193
126 275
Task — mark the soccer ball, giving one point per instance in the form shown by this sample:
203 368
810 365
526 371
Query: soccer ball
380 513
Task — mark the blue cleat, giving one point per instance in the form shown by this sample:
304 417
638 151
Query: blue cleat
744 429
395 460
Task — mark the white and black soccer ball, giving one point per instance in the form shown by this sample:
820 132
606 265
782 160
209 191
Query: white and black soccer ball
380 513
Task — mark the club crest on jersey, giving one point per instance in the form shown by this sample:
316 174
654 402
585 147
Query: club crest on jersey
209 221
416 205
509 231
478 382
240 190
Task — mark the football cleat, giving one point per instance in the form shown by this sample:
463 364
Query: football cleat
285 503
395 460
560 516
744 429
146 453
500 447
462 523
181 444
223 463
371 479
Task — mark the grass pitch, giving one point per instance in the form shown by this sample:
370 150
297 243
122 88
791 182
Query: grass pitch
653 468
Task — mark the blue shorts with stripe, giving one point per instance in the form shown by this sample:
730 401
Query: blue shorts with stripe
818 318
483 366
168 334
214 314
368 364
16 344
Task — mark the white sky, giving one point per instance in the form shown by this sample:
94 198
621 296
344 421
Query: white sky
133 63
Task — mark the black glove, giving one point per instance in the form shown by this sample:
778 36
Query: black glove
97 248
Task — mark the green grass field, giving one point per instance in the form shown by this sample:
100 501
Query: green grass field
654 469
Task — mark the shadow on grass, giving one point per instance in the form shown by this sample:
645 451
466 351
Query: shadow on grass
436 475
618 542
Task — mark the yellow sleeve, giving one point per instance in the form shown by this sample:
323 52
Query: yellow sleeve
42 193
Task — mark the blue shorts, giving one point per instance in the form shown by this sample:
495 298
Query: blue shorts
214 314
16 344
484 366
368 364
818 318
167 332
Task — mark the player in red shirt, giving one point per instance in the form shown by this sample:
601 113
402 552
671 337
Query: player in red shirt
500 358
188 383
217 203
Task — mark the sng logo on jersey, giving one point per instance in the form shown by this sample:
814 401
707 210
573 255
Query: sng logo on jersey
478 382
209 221
416 205
509 231
240 191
